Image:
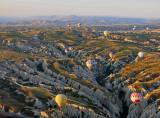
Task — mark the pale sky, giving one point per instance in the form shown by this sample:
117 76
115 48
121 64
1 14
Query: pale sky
120 8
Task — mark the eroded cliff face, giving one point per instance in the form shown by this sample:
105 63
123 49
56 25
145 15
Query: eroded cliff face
93 92
103 92
140 81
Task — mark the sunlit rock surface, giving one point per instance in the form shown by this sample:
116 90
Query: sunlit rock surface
34 71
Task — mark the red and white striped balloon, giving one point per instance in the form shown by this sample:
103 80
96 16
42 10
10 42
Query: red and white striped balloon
136 97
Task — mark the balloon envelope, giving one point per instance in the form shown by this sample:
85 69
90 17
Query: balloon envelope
79 25
105 33
66 50
141 54
69 24
90 63
61 99
112 54
136 97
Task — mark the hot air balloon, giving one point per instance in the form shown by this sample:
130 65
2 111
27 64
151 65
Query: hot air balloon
61 100
106 33
90 63
133 28
67 50
69 25
79 25
141 54
112 54
147 28
136 97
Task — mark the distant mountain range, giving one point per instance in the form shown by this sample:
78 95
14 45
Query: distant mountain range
56 20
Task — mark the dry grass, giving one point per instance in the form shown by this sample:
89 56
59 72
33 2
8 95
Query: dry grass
9 101
35 92
17 56
92 41
62 45
87 81
155 93
58 68
145 72
28 91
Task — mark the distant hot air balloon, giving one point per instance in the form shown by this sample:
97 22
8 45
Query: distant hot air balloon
141 54
136 97
112 54
147 28
69 25
90 63
79 25
61 100
67 50
133 28
106 33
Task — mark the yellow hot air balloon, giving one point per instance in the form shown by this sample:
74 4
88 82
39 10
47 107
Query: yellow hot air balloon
61 100
79 25
106 33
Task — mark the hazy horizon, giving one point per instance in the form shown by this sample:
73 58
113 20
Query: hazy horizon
118 8
80 16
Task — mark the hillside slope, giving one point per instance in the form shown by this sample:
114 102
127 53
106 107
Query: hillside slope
34 68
